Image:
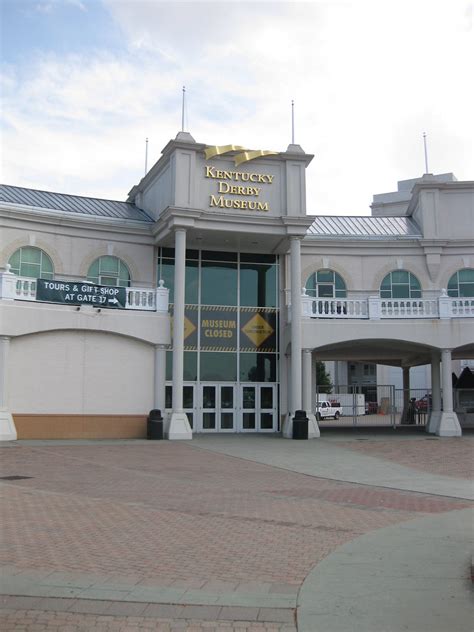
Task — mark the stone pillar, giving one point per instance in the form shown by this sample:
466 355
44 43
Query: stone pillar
7 426
295 262
406 396
179 427
449 424
435 413
313 428
160 378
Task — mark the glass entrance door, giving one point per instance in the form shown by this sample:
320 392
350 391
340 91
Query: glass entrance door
217 408
258 408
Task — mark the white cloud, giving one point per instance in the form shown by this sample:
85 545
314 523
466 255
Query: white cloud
367 78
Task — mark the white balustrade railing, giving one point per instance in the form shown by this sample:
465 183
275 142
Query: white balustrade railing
409 308
14 287
337 308
138 298
462 307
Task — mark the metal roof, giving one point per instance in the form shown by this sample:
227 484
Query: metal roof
365 227
72 203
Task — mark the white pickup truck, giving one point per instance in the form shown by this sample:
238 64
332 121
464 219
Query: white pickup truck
326 409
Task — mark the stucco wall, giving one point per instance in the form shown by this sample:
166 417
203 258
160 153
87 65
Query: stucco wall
78 372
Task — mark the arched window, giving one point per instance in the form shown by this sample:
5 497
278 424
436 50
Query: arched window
461 284
400 284
109 270
32 262
326 284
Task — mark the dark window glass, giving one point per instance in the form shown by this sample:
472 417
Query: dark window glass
227 421
248 397
218 367
227 397
266 421
169 365
248 421
218 283
188 397
266 397
167 252
212 255
326 284
258 367
190 366
168 397
209 421
256 258
209 396
166 274
258 285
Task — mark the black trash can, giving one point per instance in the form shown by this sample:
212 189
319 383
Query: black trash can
300 425
154 425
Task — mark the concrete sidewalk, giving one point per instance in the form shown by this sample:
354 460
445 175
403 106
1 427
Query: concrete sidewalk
238 533
325 458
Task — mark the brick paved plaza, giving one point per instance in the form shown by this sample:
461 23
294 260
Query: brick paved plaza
172 536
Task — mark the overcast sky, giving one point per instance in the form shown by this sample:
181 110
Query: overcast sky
84 82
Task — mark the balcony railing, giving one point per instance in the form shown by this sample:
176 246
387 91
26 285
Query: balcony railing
376 308
14 287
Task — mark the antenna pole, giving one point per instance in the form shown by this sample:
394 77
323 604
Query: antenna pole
292 122
182 109
426 152
146 156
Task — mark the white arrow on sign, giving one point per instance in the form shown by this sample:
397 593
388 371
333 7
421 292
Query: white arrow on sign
113 300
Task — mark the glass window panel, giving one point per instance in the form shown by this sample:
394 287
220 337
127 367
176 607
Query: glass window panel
453 293
340 285
400 291
167 252
188 397
248 397
400 276
109 264
266 397
169 365
209 421
190 366
216 366
94 269
258 367
246 257
105 280
218 284
385 294
266 421
14 261
167 275
46 265
31 255
209 396
168 397
386 283
227 421
340 293
466 275
414 283
30 270
311 285
325 276
325 291
248 421
227 397
192 254
192 283
258 285
466 290
453 282
190 419
211 255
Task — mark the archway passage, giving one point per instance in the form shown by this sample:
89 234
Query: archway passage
376 402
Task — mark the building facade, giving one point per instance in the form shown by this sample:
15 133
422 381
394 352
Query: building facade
211 294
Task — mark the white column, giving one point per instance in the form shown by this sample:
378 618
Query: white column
179 427
160 378
449 424
295 325
313 428
435 413
7 426
295 257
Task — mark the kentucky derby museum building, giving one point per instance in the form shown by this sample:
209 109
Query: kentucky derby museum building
210 294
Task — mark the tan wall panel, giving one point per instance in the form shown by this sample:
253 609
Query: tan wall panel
80 426
87 373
